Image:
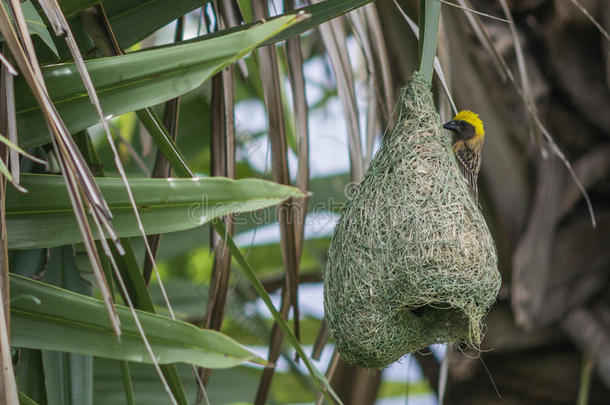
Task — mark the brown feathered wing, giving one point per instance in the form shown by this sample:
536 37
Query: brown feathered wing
469 164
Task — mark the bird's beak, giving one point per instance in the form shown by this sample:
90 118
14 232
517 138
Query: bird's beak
451 126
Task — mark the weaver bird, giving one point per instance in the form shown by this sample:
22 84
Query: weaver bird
468 136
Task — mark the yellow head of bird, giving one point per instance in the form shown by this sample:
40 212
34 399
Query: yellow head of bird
466 117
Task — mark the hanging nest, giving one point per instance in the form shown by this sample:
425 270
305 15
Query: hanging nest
411 262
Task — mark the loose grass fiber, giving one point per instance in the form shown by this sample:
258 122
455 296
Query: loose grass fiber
411 262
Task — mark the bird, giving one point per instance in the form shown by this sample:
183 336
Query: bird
468 137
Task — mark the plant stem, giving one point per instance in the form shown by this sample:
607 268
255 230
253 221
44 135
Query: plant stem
429 15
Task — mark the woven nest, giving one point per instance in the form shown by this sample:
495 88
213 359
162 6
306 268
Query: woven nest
411 262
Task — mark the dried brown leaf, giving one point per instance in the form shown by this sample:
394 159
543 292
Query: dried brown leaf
335 42
269 70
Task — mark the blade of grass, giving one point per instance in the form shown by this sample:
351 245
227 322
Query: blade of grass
154 125
443 56
133 285
94 21
71 7
7 174
585 380
66 146
25 400
97 24
330 371
12 144
94 258
275 349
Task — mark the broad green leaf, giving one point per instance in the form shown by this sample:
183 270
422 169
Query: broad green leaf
43 217
79 324
327 194
134 81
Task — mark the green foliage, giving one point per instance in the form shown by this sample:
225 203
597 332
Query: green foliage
43 216
57 328
147 78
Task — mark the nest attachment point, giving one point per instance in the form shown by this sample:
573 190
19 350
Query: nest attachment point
411 262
